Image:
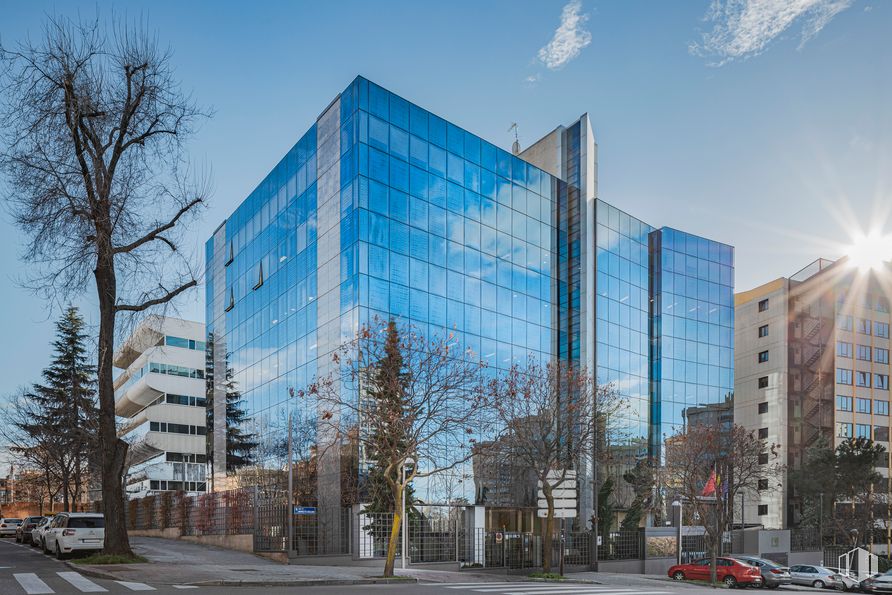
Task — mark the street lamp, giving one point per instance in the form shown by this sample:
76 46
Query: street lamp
676 507
405 528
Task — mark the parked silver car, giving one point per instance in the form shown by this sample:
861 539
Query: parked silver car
815 575
38 532
773 574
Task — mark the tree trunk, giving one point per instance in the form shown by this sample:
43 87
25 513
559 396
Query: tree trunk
394 534
112 450
547 537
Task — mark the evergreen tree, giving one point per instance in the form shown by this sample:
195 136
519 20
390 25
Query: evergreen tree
240 445
386 397
65 417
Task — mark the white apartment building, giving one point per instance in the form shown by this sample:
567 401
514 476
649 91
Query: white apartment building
760 387
161 404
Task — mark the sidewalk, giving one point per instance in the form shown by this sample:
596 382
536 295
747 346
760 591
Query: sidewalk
179 562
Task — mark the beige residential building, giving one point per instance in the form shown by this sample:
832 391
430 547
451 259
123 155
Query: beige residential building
811 362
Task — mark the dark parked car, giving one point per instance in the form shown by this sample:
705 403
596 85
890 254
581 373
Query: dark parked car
728 570
23 531
773 574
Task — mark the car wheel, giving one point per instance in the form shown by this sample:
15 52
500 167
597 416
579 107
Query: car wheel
730 581
59 554
818 584
678 575
44 548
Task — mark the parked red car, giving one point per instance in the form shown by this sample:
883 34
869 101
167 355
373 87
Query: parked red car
728 570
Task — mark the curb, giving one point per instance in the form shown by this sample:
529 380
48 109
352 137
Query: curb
324 582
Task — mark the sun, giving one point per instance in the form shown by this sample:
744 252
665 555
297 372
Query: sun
871 251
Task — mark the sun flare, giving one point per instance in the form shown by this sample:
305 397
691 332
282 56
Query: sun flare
871 251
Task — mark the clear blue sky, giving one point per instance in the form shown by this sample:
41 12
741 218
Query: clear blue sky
767 151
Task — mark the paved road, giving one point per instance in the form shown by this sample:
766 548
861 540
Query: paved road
26 571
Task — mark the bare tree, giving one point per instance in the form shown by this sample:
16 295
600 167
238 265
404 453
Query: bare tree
42 455
709 465
552 416
410 403
93 125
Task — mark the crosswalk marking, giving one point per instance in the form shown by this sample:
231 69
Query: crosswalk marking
31 584
82 583
136 586
185 587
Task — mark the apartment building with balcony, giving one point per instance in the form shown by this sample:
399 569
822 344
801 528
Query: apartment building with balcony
812 366
161 405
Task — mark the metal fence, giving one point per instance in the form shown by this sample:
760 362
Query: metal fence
218 513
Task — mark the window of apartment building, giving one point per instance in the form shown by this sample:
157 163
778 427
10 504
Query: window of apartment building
881 381
843 349
862 326
881 408
763 433
763 484
862 378
763 330
763 356
880 355
763 305
843 429
843 403
862 405
862 431
763 458
881 329
883 305
763 407
763 509
172 428
763 382
844 323
881 433
863 353
843 376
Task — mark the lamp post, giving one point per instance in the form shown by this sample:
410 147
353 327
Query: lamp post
405 525
676 506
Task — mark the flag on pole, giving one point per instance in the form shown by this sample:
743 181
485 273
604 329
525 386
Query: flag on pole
709 488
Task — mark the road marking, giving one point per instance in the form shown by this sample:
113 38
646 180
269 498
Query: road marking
136 586
31 584
521 588
82 583
185 586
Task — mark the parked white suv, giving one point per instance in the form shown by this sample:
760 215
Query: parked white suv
74 532
8 526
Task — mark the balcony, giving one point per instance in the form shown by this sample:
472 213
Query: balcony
154 444
133 397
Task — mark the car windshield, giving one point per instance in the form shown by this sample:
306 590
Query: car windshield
91 522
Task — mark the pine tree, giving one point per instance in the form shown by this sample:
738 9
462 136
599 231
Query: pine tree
386 396
65 417
240 445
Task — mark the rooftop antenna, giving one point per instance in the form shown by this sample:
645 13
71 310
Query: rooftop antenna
515 148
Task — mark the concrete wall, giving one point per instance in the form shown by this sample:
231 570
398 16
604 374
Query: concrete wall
242 543
805 558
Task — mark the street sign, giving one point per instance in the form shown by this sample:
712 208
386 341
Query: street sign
559 493
499 537
304 510
563 503
559 513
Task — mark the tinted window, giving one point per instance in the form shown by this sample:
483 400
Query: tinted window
97 522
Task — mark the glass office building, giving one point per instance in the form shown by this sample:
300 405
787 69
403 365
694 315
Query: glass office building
385 209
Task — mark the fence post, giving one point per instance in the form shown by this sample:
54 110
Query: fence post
256 516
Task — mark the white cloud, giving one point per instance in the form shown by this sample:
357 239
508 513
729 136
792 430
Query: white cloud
744 28
533 79
569 38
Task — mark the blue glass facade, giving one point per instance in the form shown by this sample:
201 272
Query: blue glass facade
385 209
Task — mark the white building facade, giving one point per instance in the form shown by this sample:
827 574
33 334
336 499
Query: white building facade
161 405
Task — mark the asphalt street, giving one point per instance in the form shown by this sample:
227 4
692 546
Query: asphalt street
24 570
